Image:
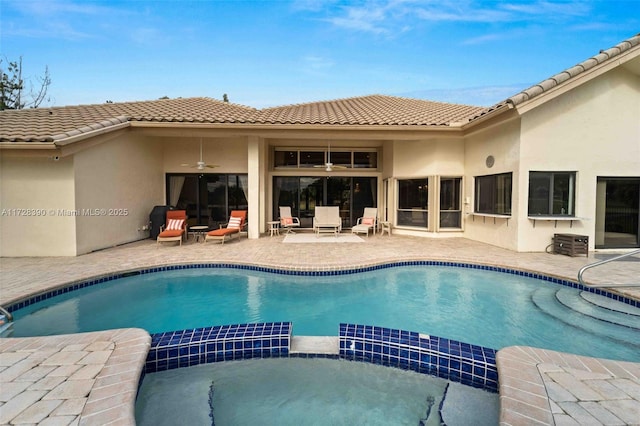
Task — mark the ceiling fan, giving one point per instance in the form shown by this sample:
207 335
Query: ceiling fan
200 165
329 166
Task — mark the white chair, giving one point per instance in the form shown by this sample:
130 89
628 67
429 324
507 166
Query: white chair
327 220
368 221
287 221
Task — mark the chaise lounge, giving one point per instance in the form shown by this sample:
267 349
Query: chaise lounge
175 228
234 226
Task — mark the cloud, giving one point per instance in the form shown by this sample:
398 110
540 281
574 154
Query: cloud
394 16
478 96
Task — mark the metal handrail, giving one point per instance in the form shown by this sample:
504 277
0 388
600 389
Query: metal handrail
6 313
602 262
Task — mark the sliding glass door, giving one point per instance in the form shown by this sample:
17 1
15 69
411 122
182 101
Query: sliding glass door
303 194
617 213
208 198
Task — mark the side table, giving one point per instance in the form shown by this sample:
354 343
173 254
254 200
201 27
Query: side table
198 232
274 227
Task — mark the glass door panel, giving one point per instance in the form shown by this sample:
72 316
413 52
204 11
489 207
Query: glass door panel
215 188
365 194
339 194
450 203
311 195
285 193
618 215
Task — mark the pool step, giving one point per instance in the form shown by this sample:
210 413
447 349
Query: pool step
547 301
322 345
608 303
612 314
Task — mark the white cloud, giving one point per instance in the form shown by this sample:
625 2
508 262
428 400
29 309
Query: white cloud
393 16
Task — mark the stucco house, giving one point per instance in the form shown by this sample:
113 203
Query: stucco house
562 156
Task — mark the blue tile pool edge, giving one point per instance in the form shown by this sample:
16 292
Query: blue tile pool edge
455 361
77 285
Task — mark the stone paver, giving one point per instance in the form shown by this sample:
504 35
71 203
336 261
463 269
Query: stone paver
54 394
95 375
576 393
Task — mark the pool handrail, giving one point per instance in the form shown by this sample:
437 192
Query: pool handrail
6 313
602 262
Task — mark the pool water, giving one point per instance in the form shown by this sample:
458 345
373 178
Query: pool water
298 391
481 307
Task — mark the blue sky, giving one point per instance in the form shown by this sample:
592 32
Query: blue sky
266 53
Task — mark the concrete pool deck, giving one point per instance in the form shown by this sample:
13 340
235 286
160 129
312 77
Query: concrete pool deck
531 380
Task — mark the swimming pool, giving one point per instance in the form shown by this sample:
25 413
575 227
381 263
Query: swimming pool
483 307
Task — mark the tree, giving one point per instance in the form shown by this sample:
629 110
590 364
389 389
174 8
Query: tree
225 98
12 87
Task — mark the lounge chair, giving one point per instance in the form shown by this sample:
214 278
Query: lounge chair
175 228
367 222
234 226
287 221
327 220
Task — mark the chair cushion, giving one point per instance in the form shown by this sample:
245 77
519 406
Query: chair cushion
367 221
222 232
287 221
174 224
234 222
170 233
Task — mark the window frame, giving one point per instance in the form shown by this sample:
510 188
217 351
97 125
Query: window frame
412 213
495 188
551 192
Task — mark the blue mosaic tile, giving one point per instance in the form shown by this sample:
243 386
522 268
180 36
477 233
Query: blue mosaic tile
185 348
445 358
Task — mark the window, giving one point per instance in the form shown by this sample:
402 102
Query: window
413 197
493 194
450 202
307 158
551 193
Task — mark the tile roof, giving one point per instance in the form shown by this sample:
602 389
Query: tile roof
556 80
52 124
59 123
369 110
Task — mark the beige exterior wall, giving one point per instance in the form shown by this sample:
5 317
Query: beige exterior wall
229 154
501 142
118 182
593 130
35 195
432 159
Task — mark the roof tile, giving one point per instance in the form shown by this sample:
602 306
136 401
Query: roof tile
54 124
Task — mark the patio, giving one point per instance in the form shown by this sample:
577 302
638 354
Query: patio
524 399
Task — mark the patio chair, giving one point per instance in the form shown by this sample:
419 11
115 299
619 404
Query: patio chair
327 220
287 221
367 222
175 228
236 223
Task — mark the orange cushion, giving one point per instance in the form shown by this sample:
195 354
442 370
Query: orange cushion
287 221
367 221
171 233
222 232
